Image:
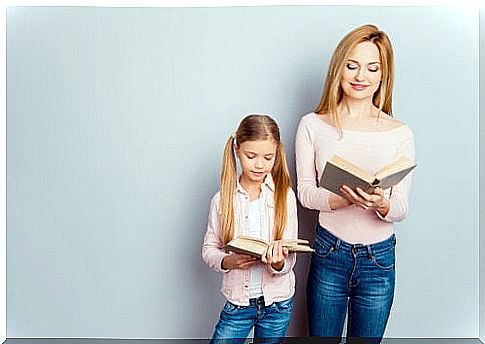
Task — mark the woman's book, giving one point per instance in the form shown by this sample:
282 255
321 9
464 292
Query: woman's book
257 247
339 171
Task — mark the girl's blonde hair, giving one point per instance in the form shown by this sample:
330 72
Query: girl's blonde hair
253 127
332 91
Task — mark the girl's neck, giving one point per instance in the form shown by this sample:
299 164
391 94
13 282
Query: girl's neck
252 188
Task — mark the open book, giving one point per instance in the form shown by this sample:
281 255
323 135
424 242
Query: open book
339 171
257 247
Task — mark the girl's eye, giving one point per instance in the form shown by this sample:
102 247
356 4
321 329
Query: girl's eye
250 156
351 66
269 158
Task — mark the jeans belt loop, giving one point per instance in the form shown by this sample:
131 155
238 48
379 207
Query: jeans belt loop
369 251
337 244
260 300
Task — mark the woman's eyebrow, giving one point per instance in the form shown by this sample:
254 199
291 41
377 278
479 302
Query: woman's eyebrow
350 60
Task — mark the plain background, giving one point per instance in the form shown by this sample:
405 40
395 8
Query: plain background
116 121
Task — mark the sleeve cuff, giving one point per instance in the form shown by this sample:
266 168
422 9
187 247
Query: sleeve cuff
220 263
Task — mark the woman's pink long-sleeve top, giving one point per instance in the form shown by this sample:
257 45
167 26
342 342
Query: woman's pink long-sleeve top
316 142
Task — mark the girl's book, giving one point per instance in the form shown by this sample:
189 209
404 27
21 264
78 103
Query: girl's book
339 171
257 247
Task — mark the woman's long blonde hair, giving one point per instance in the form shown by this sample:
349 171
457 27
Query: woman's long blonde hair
332 91
253 127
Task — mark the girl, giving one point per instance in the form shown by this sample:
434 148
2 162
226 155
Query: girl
352 270
260 203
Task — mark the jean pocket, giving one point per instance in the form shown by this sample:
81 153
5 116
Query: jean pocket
385 260
230 308
323 249
284 306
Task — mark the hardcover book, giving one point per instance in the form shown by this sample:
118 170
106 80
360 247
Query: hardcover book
257 247
339 171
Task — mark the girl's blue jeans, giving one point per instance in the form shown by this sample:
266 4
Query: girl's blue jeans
350 278
270 322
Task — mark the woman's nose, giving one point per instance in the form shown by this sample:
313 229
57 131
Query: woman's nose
359 76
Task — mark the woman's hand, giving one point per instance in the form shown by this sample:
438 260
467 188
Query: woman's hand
375 200
337 202
238 261
275 255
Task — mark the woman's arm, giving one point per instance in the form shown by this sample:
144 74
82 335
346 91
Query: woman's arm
310 195
399 194
394 206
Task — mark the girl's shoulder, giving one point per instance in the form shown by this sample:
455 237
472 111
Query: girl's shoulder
215 200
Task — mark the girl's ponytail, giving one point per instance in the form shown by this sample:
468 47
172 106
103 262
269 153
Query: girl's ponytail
228 187
282 182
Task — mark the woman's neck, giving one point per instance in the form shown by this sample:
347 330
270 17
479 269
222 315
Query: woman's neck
355 109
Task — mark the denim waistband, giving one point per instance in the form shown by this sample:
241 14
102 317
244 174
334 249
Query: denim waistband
257 301
382 246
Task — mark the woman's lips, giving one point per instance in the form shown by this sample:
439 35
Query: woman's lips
358 87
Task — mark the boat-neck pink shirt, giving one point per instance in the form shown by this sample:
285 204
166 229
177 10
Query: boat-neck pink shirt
317 141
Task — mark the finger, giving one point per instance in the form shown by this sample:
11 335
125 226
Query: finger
277 252
345 193
354 197
363 194
379 191
285 251
269 253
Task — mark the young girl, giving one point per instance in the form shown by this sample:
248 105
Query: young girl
260 203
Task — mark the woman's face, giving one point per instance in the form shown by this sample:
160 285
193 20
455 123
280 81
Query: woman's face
362 72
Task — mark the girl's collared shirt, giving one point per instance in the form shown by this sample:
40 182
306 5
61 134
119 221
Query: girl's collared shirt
277 285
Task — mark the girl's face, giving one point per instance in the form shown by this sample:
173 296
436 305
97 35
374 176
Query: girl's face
362 72
257 159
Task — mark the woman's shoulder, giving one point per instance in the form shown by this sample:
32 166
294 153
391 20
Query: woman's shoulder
389 123
315 122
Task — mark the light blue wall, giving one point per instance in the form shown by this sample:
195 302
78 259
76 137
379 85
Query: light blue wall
482 175
116 121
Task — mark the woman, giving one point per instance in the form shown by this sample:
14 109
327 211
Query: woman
352 270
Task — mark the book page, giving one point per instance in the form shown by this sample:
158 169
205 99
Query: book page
246 245
352 168
398 165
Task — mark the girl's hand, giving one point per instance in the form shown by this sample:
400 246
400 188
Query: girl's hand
238 261
375 200
275 255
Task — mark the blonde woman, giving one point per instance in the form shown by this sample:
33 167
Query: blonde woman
258 203
353 268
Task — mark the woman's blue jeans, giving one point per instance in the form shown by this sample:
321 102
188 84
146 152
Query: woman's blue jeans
354 278
270 322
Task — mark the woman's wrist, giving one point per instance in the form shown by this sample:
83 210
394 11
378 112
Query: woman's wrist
383 208
336 201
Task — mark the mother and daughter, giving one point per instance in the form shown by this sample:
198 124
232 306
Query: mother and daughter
352 270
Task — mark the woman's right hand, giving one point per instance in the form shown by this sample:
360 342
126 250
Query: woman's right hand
337 202
238 261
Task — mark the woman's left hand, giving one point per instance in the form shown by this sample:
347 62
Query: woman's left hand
275 255
375 200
